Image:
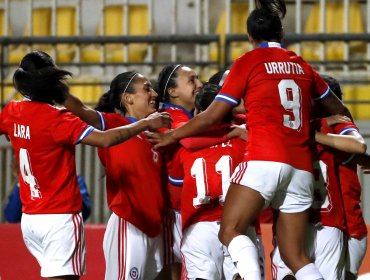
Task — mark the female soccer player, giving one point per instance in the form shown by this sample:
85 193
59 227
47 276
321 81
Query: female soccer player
134 179
277 87
177 86
135 184
204 174
43 137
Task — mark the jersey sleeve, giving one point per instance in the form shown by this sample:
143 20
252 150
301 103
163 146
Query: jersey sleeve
235 84
103 125
207 139
321 88
3 129
345 128
69 129
176 174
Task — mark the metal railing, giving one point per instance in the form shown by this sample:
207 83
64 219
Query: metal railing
292 38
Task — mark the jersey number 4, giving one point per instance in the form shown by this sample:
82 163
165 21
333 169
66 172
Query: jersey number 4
290 98
26 171
198 171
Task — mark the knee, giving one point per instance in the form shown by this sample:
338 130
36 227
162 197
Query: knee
294 259
227 233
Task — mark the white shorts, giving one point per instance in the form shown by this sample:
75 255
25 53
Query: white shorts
287 189
204 255
356 250
326 249
57 241
129 253
172 233
325 246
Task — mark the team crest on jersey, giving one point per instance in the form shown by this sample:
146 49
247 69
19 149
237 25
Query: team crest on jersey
134 273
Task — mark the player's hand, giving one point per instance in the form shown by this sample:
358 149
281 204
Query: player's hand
238 131
160 140
335 119
365 167
158 120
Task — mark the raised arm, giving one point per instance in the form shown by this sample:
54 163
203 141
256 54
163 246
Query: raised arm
111 137
346 143
334 106
85 113
201 122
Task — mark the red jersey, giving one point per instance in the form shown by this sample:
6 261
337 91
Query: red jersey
277 87
328 205
351 189
180 116
206 178
44 138
133 179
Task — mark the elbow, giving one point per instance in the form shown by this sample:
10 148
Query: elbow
363 148
105 144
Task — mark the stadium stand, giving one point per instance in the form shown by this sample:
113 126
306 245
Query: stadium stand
66 25
238 18
87 88
358 97
2 22
334 23
42 22
114 23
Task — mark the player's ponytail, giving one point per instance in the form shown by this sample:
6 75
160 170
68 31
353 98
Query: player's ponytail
264 23
111 100
275 7
104 103
39 79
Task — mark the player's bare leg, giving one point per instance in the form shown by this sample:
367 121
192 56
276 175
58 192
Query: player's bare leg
290 234
242 205
176 271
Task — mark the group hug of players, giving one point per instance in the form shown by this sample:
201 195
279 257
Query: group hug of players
185 182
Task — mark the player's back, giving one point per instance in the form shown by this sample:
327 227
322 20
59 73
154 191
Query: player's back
351 188
277 87
328 201
206 175
43 138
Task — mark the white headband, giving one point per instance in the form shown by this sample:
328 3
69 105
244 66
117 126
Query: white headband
169 77
129 82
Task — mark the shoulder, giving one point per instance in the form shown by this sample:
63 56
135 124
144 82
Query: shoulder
114 120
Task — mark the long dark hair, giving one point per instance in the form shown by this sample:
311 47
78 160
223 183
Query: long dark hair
264 22
111 100
205 97
39 79
333 84
167 79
